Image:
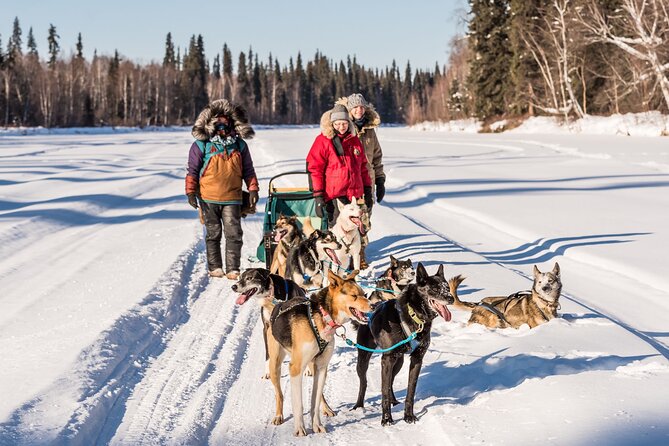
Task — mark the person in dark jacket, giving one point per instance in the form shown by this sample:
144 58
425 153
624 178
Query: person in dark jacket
337 165
218 161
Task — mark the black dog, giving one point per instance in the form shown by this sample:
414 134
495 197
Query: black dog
392 322
268 289
393 280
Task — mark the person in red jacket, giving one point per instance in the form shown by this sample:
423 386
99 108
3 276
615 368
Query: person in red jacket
337 165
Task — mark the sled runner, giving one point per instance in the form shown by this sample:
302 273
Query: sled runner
284 198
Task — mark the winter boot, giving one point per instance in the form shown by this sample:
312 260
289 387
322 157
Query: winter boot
232 275
217 272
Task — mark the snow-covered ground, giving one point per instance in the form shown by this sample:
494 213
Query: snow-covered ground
111 332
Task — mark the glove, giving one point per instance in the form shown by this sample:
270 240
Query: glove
380 183
320 205
192 200
369 201
253 198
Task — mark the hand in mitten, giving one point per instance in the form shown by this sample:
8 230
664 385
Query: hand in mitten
319 201
253 198
192 200
369 201
380 183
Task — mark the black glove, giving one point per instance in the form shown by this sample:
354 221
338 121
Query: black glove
380 183
319 201
192 200
253 198
369 201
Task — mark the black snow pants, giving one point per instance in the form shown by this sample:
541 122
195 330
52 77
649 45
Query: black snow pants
222 219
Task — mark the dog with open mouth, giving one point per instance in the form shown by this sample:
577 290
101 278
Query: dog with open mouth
305 261
286 234
305 330
393 280
349 230
403 323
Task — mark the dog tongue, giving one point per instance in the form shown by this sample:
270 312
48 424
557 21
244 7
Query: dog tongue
242 299
332 256
358 223
443 311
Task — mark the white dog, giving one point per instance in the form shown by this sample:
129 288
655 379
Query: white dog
348 229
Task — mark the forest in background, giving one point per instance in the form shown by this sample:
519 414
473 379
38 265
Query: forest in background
519 58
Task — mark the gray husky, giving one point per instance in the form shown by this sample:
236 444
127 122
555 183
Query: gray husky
305 261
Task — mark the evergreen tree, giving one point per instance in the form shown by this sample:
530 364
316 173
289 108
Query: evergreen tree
32 45
54 46
227 72
491 58
216 68
256 83
80 48
14 51
170 59
243 86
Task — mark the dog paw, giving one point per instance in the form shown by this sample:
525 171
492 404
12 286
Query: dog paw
319 429
329 412
308 372
265 376
300 432
386 420
277 420
410 418
358 406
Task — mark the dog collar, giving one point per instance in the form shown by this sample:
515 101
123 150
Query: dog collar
331 324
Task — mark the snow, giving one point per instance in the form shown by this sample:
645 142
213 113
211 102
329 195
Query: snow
112 333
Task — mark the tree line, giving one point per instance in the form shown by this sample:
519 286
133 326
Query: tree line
519 58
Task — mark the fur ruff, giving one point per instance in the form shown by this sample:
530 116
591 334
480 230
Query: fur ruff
372 118
203 129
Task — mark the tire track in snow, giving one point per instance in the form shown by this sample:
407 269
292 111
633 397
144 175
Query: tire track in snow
183 391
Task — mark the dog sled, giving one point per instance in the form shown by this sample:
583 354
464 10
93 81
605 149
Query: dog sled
287 199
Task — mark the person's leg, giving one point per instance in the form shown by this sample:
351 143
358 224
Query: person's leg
212 223
367 224
232 228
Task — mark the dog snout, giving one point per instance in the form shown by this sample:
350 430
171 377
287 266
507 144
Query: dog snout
234 287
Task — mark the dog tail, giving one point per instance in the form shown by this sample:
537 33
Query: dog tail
453 284
307 227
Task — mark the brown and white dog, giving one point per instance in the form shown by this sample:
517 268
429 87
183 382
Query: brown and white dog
527 307
305 329
286 234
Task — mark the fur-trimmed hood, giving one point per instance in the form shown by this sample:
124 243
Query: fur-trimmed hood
372 118
326 125
203 129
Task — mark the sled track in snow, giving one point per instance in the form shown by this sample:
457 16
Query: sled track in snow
661 348
108 370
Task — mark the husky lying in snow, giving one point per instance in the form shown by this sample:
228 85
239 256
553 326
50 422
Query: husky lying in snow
525 307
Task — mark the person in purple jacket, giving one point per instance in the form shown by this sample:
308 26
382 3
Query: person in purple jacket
218 161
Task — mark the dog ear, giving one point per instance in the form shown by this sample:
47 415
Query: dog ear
556 269
536 271
421 273
440 271
334 279
340 205
393 261
352 274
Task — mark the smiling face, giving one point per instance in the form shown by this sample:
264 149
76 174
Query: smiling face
252 283
548 285
340 126
350 216
358 112
348 299
326 245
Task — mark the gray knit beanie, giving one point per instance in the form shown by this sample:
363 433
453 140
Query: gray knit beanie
339 112
355 100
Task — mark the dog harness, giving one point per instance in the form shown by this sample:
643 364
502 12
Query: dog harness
413 343
322 343
511 298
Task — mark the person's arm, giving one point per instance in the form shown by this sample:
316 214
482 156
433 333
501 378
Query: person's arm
377 158
195 161
248 171
316 163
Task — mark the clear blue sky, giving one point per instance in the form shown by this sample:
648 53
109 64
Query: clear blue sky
375 31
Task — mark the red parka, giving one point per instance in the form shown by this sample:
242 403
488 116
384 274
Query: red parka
334 175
